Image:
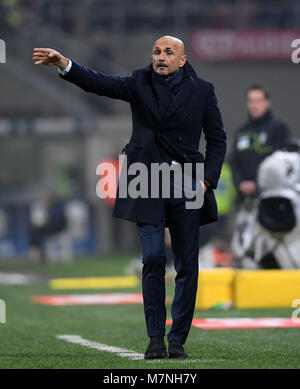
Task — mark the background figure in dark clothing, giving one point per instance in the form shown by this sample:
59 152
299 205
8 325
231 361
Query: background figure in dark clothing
47 218
255 140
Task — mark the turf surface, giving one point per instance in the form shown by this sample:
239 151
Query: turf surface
28 339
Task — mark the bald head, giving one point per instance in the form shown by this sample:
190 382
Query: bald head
168 40
168 55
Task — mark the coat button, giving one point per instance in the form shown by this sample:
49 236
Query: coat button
179 138
184 155
190 117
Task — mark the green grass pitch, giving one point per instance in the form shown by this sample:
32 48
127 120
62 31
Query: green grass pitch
28 339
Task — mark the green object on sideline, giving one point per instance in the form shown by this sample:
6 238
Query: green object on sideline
225 193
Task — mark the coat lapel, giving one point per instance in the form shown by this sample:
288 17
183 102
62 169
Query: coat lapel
185 91
151 107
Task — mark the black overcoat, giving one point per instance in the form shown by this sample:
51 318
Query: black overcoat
153 139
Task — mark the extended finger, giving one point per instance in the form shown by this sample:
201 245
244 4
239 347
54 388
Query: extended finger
40 53
41 50
38 58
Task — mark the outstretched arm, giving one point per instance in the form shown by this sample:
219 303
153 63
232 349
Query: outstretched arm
89 80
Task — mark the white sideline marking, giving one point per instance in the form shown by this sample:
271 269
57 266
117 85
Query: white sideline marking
121 352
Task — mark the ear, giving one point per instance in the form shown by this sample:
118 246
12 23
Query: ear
182 61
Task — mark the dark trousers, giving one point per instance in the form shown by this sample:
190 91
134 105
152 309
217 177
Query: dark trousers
184 230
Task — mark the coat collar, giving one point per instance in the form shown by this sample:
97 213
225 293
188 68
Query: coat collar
265 117
187 88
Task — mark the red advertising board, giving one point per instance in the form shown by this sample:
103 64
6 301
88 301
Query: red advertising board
243 322
226 45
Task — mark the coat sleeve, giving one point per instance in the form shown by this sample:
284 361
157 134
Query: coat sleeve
102 84
215 137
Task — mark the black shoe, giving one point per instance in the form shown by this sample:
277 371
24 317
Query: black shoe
176 350
156 348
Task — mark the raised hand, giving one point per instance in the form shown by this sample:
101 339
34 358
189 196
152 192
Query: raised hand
49 57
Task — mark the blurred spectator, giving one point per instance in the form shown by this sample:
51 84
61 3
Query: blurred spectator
81 18
255 140
46 219
224 15
11 13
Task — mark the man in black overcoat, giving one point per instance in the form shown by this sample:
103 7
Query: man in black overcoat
171 106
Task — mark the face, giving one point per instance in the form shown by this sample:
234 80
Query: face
48 197
257 103
167 55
